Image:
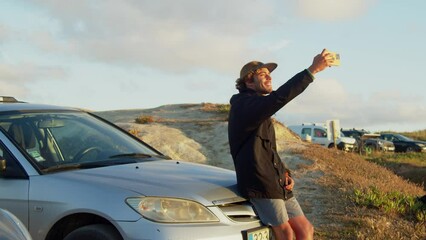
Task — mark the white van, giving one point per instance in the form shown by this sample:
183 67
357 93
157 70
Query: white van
316 133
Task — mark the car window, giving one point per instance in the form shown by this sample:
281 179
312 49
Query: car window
52 139
403 138
306 131
320 133
9 167
388 138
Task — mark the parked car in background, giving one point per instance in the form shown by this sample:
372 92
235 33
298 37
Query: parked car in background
403 143
11 228
68 174
369 142
318 134
354 133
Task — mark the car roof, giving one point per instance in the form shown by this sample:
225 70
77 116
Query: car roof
354 130
7 106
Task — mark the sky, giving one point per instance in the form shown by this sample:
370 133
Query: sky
127 54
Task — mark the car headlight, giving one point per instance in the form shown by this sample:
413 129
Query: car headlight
421 145
171 210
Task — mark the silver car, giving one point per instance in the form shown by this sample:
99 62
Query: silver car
11 228
68 174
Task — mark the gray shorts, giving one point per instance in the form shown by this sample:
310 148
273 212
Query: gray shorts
274 212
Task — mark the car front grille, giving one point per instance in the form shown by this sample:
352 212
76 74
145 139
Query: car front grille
239 211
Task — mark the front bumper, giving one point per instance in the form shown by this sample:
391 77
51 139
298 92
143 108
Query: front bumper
144 230
388 148
347 147
230 226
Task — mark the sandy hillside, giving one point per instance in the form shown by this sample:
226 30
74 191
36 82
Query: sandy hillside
187 133
324 178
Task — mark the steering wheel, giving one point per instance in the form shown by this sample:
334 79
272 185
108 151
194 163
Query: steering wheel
85 151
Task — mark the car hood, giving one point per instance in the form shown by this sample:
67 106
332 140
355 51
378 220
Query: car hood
419 142
202 183
348 140
375 139
412 141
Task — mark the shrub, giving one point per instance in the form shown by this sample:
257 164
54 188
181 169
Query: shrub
392 202
134 132
224 108
211 107
144 119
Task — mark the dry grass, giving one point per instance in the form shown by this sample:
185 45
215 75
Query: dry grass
346 173
419 135
410 166
144 119
214 107
354 170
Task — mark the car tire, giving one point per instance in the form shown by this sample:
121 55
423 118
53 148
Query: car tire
94 232
409 149
356 148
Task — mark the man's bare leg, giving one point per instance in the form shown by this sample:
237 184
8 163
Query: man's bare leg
283 231
302 228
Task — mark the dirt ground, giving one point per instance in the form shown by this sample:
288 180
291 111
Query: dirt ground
325 178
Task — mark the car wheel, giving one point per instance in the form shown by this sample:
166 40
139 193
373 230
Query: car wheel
356 148
409 149
94 232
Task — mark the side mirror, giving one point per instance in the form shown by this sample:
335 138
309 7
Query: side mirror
11 171
2 165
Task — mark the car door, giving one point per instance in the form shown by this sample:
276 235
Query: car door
320 137
399 145
306 133
14 183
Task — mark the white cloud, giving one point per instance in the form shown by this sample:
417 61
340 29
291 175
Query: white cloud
13 89
278 45
166 35
14 78
328 99
28 72
4 33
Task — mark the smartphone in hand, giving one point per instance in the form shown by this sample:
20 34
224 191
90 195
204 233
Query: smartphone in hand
336 59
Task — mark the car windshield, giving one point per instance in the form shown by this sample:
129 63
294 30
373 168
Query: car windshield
404 138
72 139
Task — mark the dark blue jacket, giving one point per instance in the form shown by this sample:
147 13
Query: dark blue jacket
260 172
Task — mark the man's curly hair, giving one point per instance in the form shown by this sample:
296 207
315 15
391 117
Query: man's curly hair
240 83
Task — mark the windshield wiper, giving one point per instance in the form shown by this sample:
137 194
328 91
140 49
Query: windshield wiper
139 155
86 165
132 155
62 167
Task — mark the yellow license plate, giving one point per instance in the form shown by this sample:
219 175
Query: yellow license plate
260 233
